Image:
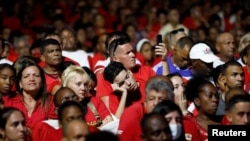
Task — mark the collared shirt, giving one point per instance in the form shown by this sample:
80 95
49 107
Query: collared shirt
38 114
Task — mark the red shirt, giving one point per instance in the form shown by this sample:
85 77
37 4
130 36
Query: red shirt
96 57
39 113
51 81
193 131
247 79
129 127
141 75
101 109
44 132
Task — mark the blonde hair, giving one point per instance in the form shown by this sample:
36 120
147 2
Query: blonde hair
71 72
243 39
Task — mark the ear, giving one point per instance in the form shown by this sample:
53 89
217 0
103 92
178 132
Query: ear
20 85
245 59
2 133
222 79
229 116
42 58
114 58
217 47
197 102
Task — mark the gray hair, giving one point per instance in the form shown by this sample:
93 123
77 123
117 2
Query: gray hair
160 85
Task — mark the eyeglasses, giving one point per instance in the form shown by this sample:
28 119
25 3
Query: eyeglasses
176 31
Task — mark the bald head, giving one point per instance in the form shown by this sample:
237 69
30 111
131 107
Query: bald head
64 94
225 46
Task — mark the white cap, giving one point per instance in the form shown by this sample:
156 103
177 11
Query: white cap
203 52
140 43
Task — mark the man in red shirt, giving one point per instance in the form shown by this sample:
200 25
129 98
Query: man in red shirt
52 56
158 88
120 50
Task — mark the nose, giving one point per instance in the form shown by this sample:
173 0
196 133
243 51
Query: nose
246 119
132 54
21 127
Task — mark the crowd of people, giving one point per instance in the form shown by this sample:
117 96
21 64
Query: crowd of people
121 70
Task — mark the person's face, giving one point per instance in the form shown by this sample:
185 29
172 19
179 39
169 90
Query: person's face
81 35
101 43
178 88
226 46
240 114
213 33
52 55
15 128
6 51
22 48
77 132
182 57
80 85
207 100
147 52
131 31
158 130
66 95
234 77
173 117
71 113
31 80
125 55
122 79
68 40
174 16
153 98
7 79
202 68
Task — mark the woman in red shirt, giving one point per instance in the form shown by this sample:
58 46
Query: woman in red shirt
78 80
31 97
206 99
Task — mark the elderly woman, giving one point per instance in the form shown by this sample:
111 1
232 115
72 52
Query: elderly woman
78 80
31 97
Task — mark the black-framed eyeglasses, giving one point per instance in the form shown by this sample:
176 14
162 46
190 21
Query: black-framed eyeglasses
176 31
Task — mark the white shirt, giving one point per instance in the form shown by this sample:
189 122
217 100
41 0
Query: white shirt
79 56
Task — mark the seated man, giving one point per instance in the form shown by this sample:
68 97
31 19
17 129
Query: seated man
121 50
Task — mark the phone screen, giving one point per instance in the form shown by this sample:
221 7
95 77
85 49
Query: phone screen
159 38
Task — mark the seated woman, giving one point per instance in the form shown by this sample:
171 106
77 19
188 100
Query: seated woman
10 116
31 97
78 80
206 99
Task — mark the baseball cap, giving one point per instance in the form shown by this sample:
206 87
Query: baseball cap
203 52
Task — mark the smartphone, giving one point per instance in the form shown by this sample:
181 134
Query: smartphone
159 39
